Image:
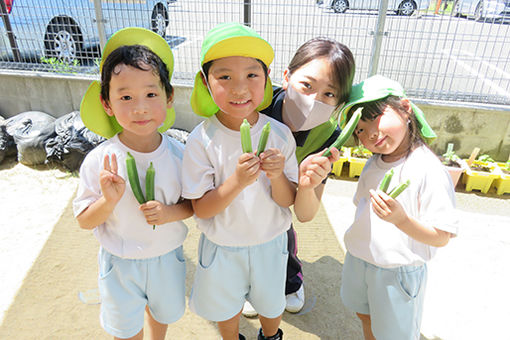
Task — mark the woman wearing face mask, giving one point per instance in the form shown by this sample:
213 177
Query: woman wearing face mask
316 83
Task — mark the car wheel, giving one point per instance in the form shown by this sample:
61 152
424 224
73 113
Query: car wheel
159 20
455 9
406 7
340 6
63 40
479 12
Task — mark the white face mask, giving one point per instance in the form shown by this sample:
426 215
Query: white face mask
301 112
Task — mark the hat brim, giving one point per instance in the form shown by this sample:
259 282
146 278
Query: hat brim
378 87
426 131
203 104
139 36
92 112
237 46
98 121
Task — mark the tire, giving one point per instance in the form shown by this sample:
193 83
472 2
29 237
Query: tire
479 11
63 40
455 9
159 20
340 6
406 8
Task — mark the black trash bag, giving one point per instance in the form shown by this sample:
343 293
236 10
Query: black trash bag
30 131
72 141
178 134
7 145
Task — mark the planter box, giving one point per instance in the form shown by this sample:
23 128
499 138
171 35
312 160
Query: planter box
455 174
502 183
480 180
339 164
355 165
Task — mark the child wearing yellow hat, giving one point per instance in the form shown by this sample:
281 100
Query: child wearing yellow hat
241 199
141 263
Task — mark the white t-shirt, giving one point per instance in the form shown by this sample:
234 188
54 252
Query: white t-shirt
211 155
126 233
430 199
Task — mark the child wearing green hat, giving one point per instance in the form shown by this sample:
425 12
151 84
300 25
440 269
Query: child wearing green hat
391 239
141 263
241 199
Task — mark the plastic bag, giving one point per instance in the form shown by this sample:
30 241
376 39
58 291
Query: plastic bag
30 131
72 141
178 134
7 145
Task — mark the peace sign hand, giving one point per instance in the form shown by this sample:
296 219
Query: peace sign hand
112 185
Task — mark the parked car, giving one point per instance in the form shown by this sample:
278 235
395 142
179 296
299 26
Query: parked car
482 9
67 29
401 7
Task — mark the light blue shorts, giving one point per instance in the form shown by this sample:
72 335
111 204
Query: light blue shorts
126 286
228 276
393 297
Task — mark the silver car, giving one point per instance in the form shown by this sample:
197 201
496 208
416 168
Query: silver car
482 9
67 29
401 7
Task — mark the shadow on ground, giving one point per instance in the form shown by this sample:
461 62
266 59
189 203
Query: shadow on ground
47 305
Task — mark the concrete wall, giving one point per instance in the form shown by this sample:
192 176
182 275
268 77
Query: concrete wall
466 125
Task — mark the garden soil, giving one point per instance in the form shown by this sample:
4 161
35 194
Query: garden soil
57 298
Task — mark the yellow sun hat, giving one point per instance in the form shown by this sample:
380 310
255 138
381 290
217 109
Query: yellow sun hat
230 40
92 112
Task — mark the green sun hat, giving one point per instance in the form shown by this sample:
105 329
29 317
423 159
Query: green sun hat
92 112
379 87
230 40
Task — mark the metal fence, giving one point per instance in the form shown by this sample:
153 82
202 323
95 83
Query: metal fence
434 53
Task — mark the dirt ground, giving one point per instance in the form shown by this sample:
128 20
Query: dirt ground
47 304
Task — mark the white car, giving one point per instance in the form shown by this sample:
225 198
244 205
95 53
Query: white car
401 7
482 9
66 30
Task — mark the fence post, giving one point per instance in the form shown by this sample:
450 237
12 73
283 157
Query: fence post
247 12
100 24
8 28
378 35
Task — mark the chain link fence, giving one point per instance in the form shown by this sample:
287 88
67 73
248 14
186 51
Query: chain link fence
448 51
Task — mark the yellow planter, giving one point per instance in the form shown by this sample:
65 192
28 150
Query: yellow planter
502 183
356 164
479 180
339 164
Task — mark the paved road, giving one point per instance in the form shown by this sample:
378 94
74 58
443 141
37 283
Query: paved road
438 57
467 292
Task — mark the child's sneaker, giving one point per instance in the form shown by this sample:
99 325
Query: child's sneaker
241 337
248 310
277 336
295 301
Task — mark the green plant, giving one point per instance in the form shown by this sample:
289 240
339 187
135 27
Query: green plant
361 152
60 66
450 158
485 158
